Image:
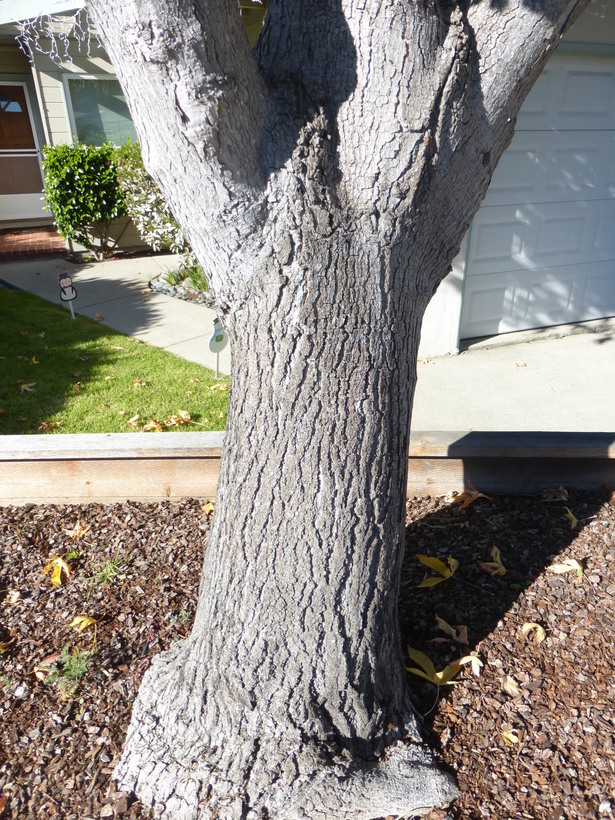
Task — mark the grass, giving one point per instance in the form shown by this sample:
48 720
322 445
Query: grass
63 376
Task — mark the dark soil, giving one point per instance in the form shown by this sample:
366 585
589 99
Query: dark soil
531 737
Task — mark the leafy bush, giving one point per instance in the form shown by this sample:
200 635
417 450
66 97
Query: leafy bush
82 192
148 210
152 216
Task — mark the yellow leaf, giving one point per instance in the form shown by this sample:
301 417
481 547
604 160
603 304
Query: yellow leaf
82 622
152 425
495 567
567 565
33 360
208 508
540 632
467 497
27 388
134 420
219 388
435 564
428 670
571 517
57 566
438 566
430 582
513 736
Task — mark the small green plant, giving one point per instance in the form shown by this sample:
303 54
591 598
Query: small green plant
189 270
82 192
108 572
6 681
68 670
73 554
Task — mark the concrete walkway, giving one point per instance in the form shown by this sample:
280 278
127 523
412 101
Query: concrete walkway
116 292
556 379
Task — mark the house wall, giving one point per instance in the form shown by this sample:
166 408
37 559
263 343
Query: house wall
49 78
594 29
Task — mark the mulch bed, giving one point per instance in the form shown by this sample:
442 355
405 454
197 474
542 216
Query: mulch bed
531 737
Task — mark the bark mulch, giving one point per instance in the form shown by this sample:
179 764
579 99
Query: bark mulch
531 737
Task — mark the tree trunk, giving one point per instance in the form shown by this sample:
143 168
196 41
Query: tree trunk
292 685
325 185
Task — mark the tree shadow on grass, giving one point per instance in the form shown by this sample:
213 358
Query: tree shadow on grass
46 359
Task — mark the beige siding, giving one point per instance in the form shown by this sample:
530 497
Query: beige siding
13 60
50 80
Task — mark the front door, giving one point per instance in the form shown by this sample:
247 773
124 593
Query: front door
21 182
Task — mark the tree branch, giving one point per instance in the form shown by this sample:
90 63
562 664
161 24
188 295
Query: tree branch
197 100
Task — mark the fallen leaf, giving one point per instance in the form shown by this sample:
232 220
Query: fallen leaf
219 388
99 318
182 417
82 622
495 567
555 494
134 420
82 358
43 669
27 388
511 687
467 497
137 382
78 531
13 596
109 378
513 736
6 644
45 426
24 332
474 661
457 633
571 517
438 566
33 360
521 364
428 670
567 565
152 425
530 627
208 508
57 566
75 374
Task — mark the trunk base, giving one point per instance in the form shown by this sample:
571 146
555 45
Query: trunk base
167 764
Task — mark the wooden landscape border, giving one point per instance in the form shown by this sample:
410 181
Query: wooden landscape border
76 469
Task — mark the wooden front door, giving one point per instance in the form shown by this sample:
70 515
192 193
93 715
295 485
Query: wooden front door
21 181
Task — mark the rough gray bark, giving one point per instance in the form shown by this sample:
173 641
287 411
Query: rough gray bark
325 184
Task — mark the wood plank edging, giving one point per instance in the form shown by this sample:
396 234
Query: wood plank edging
156 466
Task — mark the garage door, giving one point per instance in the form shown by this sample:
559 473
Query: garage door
541 250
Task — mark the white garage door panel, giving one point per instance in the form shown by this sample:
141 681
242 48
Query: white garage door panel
573 92
541 249
518 237
537 298
552 166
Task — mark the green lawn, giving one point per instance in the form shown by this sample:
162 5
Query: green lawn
63 376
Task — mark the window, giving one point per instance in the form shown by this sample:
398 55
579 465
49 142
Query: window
99 111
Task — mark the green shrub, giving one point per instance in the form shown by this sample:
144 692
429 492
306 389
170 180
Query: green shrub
82 192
